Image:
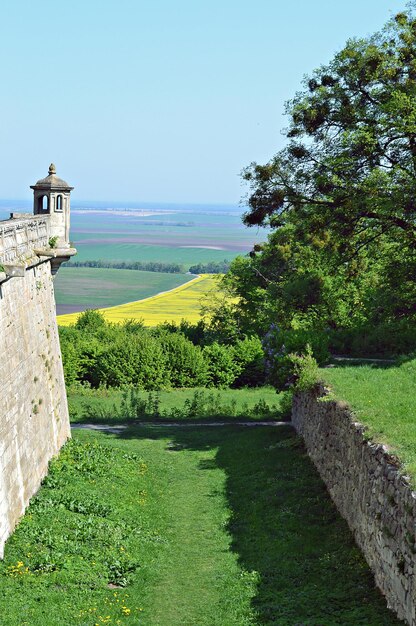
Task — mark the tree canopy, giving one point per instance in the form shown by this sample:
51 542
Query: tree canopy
349 166
339 264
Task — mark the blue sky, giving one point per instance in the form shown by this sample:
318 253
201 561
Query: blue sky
159 100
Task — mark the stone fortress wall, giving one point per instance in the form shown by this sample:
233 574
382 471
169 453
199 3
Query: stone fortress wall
369 490
34 420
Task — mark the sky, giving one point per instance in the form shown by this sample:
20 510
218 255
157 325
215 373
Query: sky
159 100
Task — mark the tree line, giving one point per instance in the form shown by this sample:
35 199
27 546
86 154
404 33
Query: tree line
213 267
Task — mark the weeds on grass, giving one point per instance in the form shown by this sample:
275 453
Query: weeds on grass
73 535
202 404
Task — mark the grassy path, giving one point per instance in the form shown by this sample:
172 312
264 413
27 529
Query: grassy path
157 526
199 577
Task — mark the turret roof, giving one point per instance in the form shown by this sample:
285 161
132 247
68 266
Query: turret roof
52 181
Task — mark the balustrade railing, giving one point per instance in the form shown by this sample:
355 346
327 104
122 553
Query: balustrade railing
19 237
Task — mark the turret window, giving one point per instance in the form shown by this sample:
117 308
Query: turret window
43 204
59 203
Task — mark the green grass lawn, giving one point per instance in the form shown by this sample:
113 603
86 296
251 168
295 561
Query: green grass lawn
142 252
384 399
94 288
98 405
186 527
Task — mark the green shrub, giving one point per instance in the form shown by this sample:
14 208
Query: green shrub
187 367
280 346
222 369
139 362
294 370
90 320
90 353
305 374
101 354
383 339
70 355
249 360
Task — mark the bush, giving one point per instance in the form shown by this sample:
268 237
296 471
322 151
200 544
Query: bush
280 344
222 370
249 360
295 370
90 320
101 354
305 373
385 339
139 362
187 367
70 355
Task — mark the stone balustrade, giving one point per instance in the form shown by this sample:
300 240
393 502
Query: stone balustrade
21 236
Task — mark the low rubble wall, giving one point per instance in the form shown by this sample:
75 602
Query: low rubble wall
369 490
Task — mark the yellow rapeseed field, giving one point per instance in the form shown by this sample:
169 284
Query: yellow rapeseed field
180 303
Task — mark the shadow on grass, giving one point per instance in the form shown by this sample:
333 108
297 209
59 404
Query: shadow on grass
284 528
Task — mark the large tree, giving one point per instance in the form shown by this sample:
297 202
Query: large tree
349 167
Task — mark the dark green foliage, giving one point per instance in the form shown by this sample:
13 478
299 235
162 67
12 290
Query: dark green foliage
385 339
286 368
188 368
91 320
249 356
340 196
304 370
70 354
278 342
139 361
196 333
214 267
222 369
101 354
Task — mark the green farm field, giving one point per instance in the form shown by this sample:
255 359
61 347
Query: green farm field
184 237
171 526
130 252
179 236
181 303
80 288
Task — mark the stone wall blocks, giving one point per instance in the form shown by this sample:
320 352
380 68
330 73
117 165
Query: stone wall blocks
27 444
370 490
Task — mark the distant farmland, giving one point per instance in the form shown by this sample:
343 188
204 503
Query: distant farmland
180 303
80 288
184 237
112 250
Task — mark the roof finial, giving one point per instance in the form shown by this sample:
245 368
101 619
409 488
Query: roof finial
52 169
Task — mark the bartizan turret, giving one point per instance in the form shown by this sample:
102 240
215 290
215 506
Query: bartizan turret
51 196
